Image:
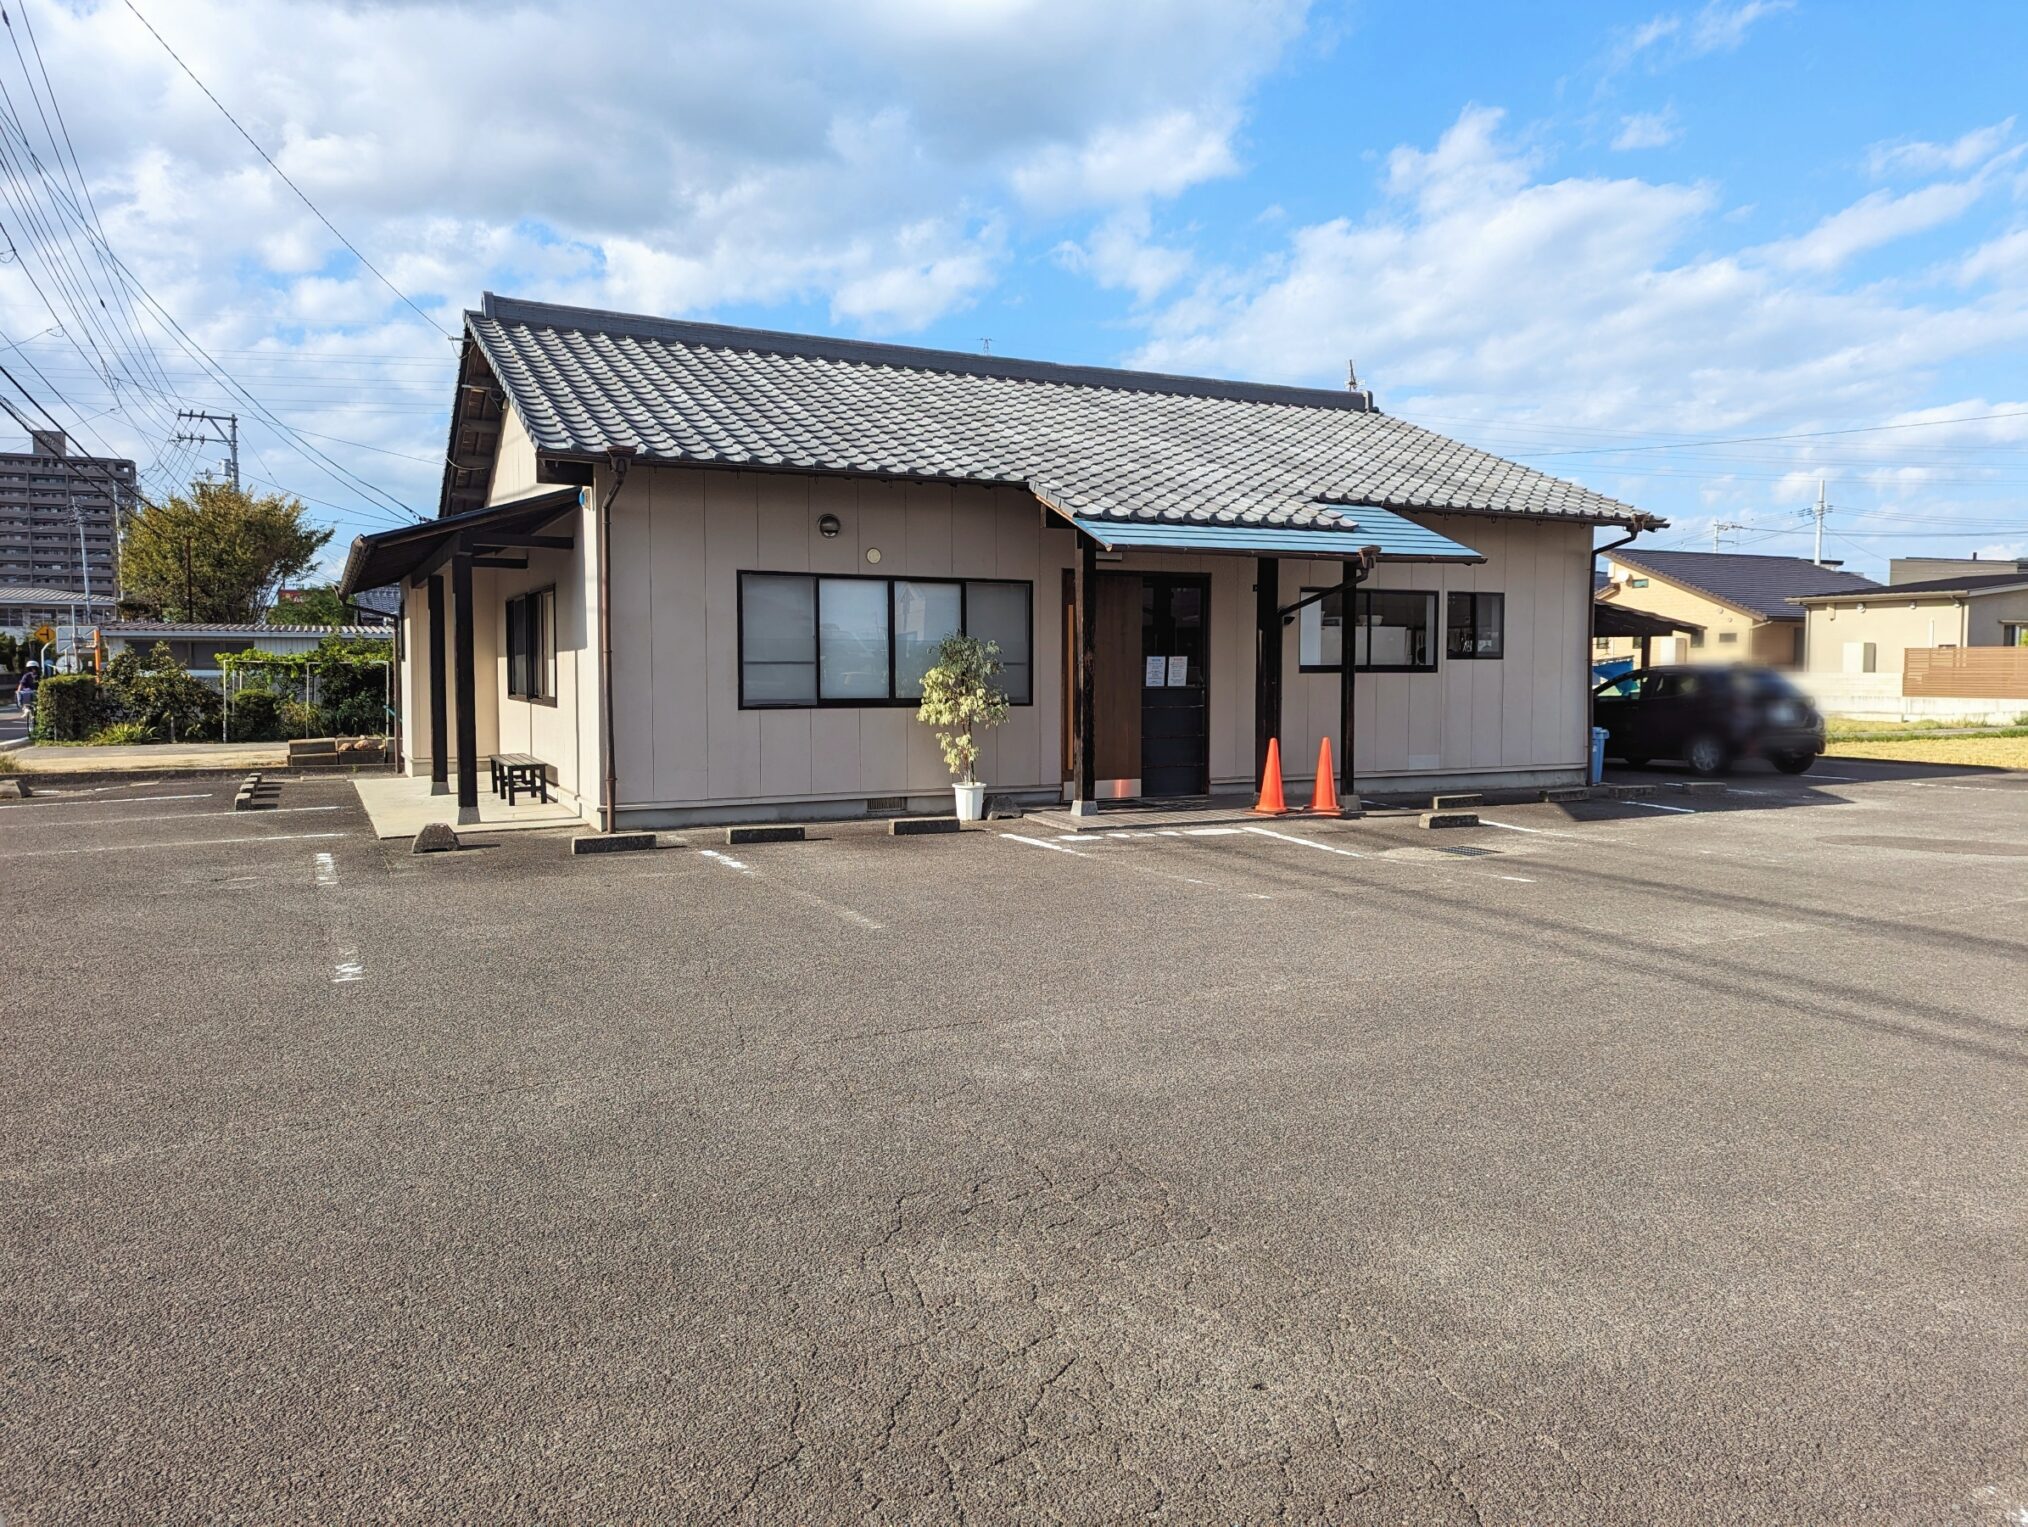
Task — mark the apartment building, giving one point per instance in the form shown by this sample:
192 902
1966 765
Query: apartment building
58 514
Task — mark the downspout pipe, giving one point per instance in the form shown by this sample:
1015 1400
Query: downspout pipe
619 458
1585 713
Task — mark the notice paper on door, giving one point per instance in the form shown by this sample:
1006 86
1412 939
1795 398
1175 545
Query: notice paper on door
1179 672
1152 678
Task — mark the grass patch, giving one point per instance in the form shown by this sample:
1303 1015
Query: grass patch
9 764
1888 733
2005 749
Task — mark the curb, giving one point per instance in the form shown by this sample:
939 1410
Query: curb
763 833
612 842
1448 819
913 827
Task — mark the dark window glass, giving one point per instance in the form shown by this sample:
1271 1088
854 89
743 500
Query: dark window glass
1394 631
531 645
1475 625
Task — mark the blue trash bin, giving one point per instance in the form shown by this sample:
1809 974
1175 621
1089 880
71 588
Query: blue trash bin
1598 742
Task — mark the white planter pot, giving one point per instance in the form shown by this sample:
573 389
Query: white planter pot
971 801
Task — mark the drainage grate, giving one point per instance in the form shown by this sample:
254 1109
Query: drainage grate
886 803
1468 853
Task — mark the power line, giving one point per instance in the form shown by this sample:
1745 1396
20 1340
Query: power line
283 174
1818 434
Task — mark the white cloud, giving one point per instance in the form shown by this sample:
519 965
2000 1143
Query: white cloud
1496 301
1648 129
1672 38
1920 158
874 161
1875 219
1122 253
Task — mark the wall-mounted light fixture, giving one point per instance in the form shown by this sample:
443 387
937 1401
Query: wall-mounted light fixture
827 526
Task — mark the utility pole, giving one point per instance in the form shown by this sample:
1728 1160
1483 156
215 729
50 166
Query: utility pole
228 436
1721 527
1820 511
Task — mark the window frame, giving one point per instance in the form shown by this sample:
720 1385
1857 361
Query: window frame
1434 627
542 660
892 702
1499 596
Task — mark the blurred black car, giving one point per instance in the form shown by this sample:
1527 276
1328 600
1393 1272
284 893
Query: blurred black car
1708 717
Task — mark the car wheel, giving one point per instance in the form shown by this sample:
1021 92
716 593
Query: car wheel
1706 755
1792 763
1635 760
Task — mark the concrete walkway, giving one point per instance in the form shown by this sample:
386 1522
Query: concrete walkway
150 758
399 806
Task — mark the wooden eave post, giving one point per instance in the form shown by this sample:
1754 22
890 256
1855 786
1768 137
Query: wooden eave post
1083 672
440 698
1267 659
467 688
1348 668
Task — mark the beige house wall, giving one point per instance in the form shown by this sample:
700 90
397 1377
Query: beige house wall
1892 628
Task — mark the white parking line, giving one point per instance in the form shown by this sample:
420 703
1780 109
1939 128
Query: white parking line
182 816
134 848
1045 843
1289 837
349 968
1524 879
132 800
1211 832
1511 827
725 859
1688 811
1842 778
326 869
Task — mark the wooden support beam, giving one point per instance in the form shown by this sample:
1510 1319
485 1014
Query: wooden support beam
494 540
1267 658
518 563
466 682
1348 626
440 700
1084 713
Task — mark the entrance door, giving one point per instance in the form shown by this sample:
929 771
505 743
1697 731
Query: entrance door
1116 678
1175 718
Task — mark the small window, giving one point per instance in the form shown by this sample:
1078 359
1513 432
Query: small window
1475 625
1696 638
1726 638
1637 583
1393 633
1601 644
531 645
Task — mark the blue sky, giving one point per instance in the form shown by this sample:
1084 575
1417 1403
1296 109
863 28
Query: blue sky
1627 244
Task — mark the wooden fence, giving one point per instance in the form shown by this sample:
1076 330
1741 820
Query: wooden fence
1966 673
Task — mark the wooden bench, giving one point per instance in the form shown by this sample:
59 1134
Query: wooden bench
515 772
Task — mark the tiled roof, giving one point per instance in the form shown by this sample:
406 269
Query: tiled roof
1762 586
1982 584
233 629
36 593
1089 441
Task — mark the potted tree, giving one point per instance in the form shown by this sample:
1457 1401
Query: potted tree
960 700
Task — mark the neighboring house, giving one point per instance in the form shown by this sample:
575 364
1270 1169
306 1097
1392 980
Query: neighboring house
1732 607
199 645
1871 630
1934 569
24 606
698 572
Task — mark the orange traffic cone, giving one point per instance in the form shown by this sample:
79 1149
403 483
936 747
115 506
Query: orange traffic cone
1271 803
1324 799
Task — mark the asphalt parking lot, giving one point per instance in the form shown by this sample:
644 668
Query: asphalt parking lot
1622 1162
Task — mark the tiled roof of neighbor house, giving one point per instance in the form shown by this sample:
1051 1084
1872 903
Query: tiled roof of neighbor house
234 629
1762 586
1984 583
1089 441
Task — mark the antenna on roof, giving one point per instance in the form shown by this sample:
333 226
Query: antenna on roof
985 344
1363 394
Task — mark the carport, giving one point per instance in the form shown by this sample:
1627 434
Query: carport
417 557
1609 620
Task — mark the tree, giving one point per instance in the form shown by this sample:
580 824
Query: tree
320 606
218 554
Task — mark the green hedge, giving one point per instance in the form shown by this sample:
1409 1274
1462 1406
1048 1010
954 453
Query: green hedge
69 708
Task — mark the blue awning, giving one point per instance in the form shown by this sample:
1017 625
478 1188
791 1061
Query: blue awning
1399 539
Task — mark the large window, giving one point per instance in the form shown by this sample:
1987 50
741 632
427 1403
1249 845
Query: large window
810 640
1475 625
1393 632
531 645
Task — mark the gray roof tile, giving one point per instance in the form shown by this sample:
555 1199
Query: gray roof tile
1117 444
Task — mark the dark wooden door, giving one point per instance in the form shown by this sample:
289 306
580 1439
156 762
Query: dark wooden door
1175 714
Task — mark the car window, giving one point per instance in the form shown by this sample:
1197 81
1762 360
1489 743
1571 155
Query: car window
1622 688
